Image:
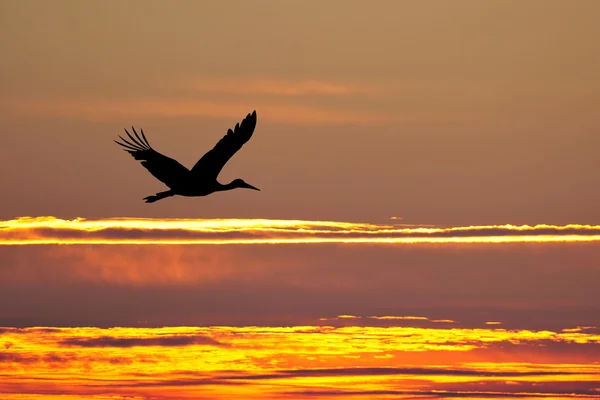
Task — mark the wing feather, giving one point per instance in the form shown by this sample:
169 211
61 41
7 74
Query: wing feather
127 146
145 140
165 169
139 140
211 164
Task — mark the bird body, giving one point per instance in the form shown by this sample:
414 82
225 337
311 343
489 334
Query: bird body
201 180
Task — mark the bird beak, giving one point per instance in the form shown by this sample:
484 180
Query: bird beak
247 186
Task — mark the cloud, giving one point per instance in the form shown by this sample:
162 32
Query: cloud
433 394
146 285
290 101
50 230
580 329
384 371
389 318
28 330
61 358
301 359
165 341
279 87
268 111
408 317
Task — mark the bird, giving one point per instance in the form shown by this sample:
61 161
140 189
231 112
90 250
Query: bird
201 180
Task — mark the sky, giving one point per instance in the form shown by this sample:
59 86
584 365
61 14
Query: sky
427 225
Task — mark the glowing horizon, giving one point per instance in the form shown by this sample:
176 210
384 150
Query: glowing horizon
51 230
293 361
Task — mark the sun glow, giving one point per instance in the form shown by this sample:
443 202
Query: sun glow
50 230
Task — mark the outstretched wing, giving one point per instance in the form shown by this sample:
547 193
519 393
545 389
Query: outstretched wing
165 169
211 164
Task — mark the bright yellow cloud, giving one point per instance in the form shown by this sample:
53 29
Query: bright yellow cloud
50 230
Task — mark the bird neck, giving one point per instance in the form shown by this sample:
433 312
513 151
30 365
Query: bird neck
227 186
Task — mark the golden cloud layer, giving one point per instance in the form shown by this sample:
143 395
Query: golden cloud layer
293 362
50 230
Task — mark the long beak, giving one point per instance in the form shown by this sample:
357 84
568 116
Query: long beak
247 186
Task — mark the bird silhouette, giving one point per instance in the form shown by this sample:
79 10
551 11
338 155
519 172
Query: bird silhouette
201 180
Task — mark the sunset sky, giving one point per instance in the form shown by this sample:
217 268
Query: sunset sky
428 224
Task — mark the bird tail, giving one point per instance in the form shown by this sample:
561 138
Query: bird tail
158 196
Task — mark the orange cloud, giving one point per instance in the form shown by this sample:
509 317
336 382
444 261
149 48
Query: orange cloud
98 109
444 321
348 317
280 87
274 362
50 230
391 317
141 266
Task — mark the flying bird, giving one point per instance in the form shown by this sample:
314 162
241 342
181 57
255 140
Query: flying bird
201 180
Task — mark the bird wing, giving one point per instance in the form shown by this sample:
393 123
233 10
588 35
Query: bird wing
211 164
165 169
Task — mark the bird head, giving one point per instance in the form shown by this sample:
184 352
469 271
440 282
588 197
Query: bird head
239 183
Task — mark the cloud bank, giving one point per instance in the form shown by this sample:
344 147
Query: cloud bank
50 230
296 361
